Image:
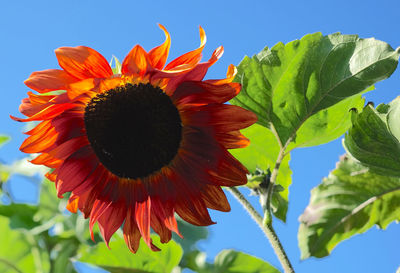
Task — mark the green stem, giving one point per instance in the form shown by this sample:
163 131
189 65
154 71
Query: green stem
35 252
267 229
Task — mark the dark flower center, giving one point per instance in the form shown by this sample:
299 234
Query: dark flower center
134 130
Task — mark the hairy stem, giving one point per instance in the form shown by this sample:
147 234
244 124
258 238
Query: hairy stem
266 228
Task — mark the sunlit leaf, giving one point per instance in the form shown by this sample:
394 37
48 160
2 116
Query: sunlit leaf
349 201
120 259
288 84
18 252
374 138
329 123
262 153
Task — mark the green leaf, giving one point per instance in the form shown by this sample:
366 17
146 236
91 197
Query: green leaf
230 261
3 139
262 153
349 201
120 259
374 138
21 215
17 254
330 123
288 84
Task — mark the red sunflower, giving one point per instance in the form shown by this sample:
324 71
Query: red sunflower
136 147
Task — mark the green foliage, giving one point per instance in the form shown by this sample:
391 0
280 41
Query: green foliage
349 201
20 215
230 261
288 84
120 259
19 251
374 138
262 153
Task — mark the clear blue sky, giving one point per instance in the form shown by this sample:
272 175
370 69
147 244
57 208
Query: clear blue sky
31 30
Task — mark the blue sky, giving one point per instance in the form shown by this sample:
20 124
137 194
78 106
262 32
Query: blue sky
31 30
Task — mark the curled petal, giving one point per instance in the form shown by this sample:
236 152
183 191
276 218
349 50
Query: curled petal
158 55
190 58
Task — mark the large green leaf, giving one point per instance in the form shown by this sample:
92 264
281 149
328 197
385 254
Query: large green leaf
374 138
120 259
230 261
262 153
349 201
18 252
288 84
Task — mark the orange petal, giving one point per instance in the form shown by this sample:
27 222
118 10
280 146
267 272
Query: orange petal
40 141
142 217
72 205
83 62
81 87
196 74
158 55
192 57
47 113
49 80
136 62
230 75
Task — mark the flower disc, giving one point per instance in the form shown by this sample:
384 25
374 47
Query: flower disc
134 130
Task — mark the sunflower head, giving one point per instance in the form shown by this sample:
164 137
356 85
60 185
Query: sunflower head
135 148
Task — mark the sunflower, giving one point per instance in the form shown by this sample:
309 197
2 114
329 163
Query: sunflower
137 146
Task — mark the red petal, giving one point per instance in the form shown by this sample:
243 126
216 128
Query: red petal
198 93
214 198
83 62
49 80
75 170
220 117
131 232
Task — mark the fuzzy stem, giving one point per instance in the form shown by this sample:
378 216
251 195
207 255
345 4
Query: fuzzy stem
267 229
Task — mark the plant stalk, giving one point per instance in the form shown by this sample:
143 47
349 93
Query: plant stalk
266 228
